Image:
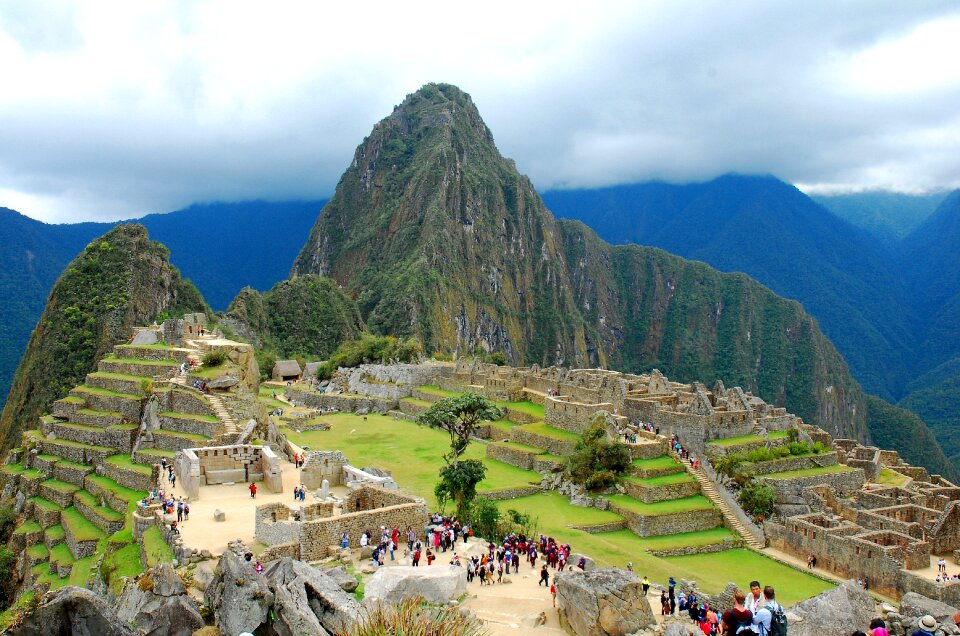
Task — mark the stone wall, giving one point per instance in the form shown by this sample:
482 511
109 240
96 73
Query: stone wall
320 534
791 491
73 473
210 465
184 400
74 453
509 455
510 493
186 424
571 416
371 498
790 463
549 444
273 525
651 494
655 525
345 403
320 465
131 478
130 408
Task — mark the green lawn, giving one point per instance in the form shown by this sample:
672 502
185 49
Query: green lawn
60 553
433 389
663 480
664 461
124 461
28 526
409 451
123 562
697 502
266 396
741 440
152 363
109 375
524 407
190 416
155 547
54 533
81 570
741 566
552 510
891 478
80 526
808 472
527 448
44 504
38 551
106 392
540 428
193 437
60 486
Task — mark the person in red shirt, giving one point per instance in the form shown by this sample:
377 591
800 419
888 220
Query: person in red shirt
737 619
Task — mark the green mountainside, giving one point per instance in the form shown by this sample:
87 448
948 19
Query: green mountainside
890 216
120 280
902 430
441 238
306 316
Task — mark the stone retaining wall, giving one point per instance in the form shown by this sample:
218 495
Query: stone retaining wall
150 353
114 384
273 525
570 416
169 440
109 497
345 403
79 549
137 368
652 494
64 409
183 400
98 419
648 450
131 478
70 473
44 517
521 417
790 463
186 424
273 552
656 525
40 463
510 493
513 456
130 408
550 444
791 491
108 527
372 498
612 526
59 497
543 464
649 473
412 408
710 548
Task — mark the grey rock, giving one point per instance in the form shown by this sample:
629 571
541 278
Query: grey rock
240 598
366 552
163 609
435 584
677 629
346 581
913 606
588 563
307 597
146 337
363 411
73 610
223 382
534 620
603 602
219 515
19 502
203 576
836 612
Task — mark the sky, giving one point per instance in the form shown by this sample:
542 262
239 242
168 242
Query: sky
112 110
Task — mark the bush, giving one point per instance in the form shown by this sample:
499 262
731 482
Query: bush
214 358
596 462
488 522
367 349
798 448
600 480
757 499
415 618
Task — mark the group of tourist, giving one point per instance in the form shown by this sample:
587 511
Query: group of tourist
926 626
755 613
299 493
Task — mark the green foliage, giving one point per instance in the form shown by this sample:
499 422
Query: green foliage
8 521
757 499
8 587
459 481
487 520
899 429
459 416
597 462
369 348
413 617
214 359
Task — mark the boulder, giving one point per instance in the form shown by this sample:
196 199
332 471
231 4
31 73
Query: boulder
913 606
534 620
307 599
73 610
347 582
588 563
678 629
435 584
837 612
219 515
203 576
223 382
239 597
602 602
158 604
146 337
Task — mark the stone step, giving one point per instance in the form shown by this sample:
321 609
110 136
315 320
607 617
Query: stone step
80 534
104 517
124 472
174 441
164 369
76 451
59 492
116 496
71 472
100 419
44 511
129 404
120 382
153 353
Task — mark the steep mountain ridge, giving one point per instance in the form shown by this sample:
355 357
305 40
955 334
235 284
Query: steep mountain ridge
120 280
440 237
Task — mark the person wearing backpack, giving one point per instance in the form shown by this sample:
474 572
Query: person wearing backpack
770 620
739 619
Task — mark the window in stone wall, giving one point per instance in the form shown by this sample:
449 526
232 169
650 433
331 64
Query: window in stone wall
869 553
856 550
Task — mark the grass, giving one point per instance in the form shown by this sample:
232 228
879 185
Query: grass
54 533
526 448
152 363
890 477
127 494
265 395
157 345
528 408
123 562
741 440
553 510
158 452
433 389
28 526
124 461
663 480
714 571
98 413
109 375
193 437
155 548
190 416
697 502
416 402
80 527
664 461
60 486
66 463
44 504
60 553
809 472
38 552
409 451
101 511
6 617
72 399
81 571
12 469
72 444
540 428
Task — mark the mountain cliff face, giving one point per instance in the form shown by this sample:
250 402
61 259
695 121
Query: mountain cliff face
120 280
441 238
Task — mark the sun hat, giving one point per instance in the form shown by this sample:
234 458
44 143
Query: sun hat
928 622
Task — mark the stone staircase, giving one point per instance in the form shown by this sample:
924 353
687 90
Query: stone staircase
230 428
709 490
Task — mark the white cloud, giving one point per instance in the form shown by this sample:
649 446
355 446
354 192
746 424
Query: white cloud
113 109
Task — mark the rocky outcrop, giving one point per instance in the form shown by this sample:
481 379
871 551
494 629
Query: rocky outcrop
913 606
346 581
435 584
158 605
604 602
240 598
75 611
837 612
308 601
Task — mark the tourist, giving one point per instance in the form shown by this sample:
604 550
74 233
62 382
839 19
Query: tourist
416 558
630 566
500 572
296 493
186 511
553 593
259 567
253 491
764 615
180 510
755 598
645 584
878 628
471 570
430 556
738 618
482 573
411 537
927 626
664 604
364 539
344 541
544 576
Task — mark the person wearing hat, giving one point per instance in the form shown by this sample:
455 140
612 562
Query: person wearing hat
927 626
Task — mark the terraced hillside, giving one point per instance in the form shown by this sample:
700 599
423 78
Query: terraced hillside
86 465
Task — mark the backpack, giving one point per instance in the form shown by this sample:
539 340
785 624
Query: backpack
778 621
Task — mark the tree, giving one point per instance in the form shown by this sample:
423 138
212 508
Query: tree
757 499
460 417
596 461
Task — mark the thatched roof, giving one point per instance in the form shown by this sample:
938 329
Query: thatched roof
286 368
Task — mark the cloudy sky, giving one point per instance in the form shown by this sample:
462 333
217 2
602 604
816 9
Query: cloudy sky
116 109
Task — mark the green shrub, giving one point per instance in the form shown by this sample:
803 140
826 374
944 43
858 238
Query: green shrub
369 348
798 448
757 499
596 461
600 479
820 448
214 358
413 617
